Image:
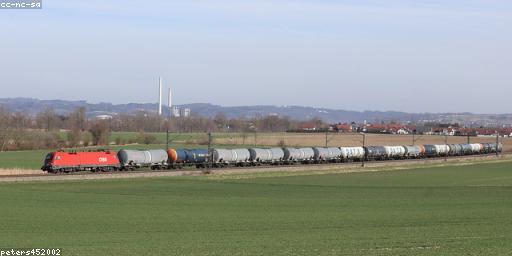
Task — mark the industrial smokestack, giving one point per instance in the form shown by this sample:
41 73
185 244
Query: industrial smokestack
170 99
159 96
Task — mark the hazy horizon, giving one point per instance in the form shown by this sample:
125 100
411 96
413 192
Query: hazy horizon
408 56
271 105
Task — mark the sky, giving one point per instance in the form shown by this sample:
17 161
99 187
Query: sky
412 56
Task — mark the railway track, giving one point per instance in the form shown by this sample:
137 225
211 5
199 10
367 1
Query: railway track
200 171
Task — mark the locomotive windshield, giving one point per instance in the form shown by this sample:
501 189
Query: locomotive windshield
48 158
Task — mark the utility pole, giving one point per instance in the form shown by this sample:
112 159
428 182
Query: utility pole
364 156
167 137
326 139
414 139
209 160
167 126
446 144
497 143
169 117
468 139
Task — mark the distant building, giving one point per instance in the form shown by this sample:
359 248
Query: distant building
180 112
175 111
103 117
309 126
185 112
402 131
390 128
343 128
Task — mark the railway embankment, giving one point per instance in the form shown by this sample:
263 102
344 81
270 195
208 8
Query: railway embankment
20 175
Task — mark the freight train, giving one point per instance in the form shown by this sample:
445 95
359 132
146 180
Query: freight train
159 159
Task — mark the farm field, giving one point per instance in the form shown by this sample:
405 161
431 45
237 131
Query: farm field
450 210
348 139
160 137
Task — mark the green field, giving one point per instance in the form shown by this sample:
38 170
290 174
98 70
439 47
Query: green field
160 136
181 138
463 210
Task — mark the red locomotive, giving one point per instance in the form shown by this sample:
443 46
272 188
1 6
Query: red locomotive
61 161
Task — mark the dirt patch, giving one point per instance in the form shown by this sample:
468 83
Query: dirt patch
19 172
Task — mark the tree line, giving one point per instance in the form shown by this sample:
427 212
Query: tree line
49 129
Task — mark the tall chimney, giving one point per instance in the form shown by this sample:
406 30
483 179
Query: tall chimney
159 96
170 101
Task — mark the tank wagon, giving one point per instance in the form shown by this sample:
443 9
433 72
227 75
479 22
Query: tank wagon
350 154
198 157
394 152
455 150
487 148
134 159
260 156
442 150
375 153
177 158
335 154
277 155
492 147
430 151
476 148
331 155
291 155
307 155
466 149
231 157
412 152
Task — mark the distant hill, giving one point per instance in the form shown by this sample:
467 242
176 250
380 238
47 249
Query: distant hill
33 106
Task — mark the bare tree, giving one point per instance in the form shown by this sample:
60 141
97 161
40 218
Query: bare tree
47 119
4 128
221 122
100 132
